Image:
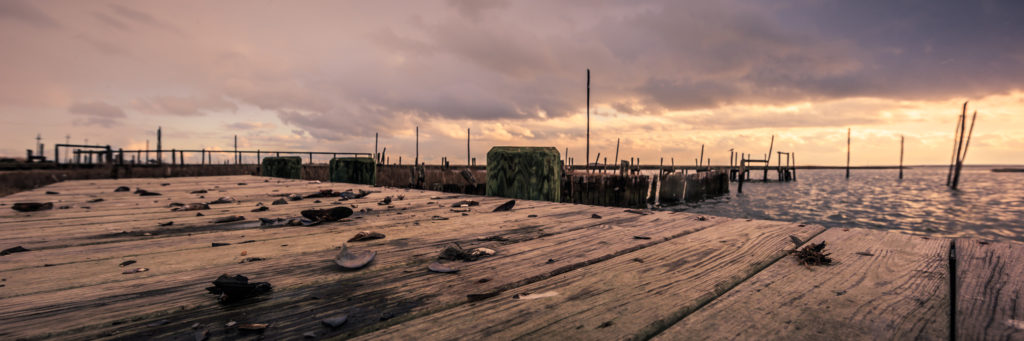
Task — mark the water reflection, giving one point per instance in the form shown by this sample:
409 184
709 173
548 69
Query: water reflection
988 205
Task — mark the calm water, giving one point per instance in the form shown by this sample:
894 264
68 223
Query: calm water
988 205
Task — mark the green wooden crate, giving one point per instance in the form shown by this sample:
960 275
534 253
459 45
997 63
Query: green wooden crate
531 173
356 170
282 167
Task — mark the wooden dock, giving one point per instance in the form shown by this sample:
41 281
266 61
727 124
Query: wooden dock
560 271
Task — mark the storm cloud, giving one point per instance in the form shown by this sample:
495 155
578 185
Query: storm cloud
341 70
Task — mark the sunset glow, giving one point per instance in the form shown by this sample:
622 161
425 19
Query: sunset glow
668 76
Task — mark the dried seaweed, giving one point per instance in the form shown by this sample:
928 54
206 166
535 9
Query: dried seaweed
814 254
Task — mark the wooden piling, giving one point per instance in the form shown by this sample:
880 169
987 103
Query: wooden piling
960 162
159 145
701 163
768 158
794 166
743 166
847 153
901 157
417 160
952 158
469 159
960 144
616 160
587 158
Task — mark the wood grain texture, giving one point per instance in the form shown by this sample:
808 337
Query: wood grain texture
408 291
631 296
85 291
990 290
896 288
524 173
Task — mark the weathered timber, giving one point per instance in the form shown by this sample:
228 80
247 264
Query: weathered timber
289 167
881 285
989 290
524 173
671 191
632 296
356 170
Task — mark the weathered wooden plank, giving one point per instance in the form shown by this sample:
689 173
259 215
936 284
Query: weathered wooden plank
407 291
129 226
990 290
120 202
148 295
630 296
164 239
194 253
883 285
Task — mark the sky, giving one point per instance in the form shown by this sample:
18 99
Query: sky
666 77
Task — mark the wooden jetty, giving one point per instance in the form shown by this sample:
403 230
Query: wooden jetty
560 271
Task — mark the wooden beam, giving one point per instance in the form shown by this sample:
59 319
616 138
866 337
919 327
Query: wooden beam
989 290
882 285
632 296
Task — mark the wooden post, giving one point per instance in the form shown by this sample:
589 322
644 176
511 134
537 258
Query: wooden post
174 157
743 166
159 147
616 150
953 158
960 144
587 158
960 162
901 157
794 166
661 167
236 149
469 160
701 163
376 138
417 160
768 157
847 153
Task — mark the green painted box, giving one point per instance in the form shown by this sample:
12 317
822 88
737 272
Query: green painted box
531 173
356 170
282 167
